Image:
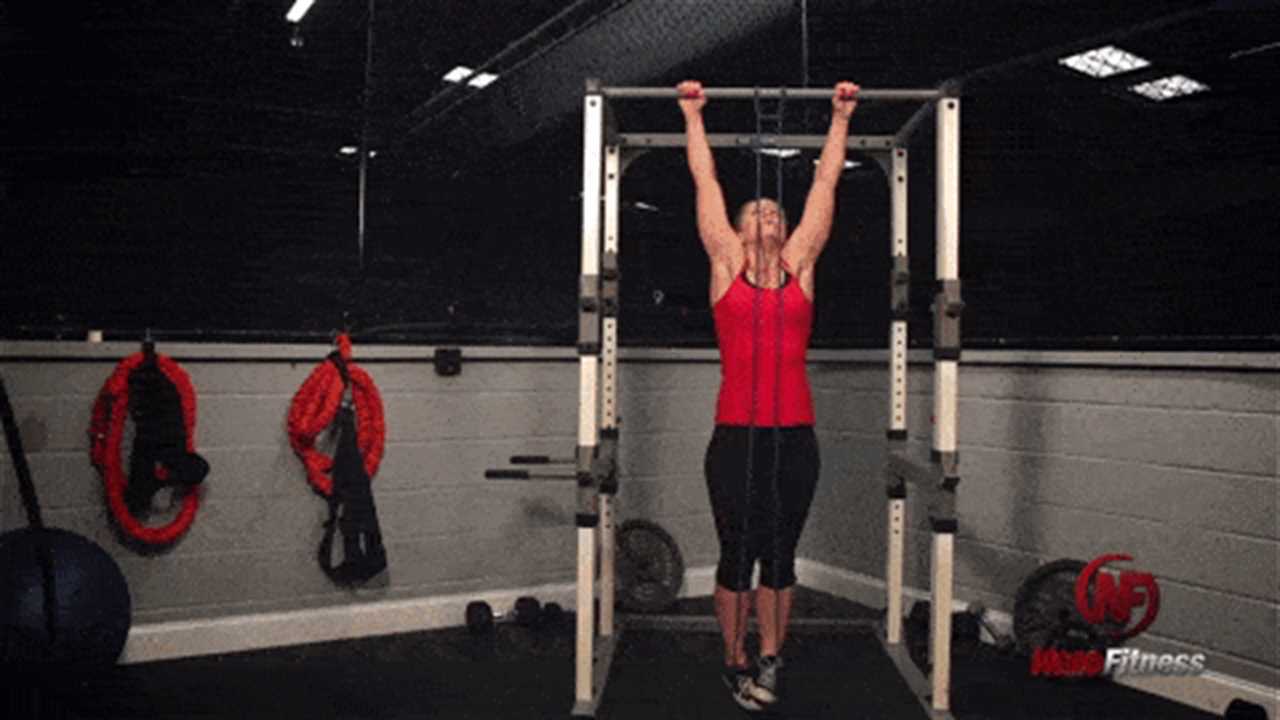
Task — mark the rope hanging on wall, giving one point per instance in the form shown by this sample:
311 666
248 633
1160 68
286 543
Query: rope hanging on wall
341 396
315 406
157 394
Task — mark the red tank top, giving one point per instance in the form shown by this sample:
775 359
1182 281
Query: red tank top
749 337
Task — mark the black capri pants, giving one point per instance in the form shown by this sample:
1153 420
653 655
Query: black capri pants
759 516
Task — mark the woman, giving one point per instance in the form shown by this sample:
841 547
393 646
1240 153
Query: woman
762 462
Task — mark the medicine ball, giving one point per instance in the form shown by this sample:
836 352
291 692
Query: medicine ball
87 621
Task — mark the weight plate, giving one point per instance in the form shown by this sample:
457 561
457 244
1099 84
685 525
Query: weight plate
650 571
1045 613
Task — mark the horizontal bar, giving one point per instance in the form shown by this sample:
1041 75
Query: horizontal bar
772 93
1265 360
920 685
540 460
913 471
747 140
708 623
601 662
526 475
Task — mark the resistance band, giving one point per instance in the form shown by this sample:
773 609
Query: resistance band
758 292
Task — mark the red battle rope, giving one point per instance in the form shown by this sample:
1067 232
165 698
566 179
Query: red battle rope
316 404
106 431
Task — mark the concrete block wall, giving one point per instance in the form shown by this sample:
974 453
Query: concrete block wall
1174 463
254 542
447 529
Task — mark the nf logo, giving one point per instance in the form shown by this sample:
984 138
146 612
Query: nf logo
1110 610
1117 602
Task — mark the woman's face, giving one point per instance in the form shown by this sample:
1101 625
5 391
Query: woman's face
762 220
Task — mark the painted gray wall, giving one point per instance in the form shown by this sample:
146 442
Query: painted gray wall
1176 466
447 529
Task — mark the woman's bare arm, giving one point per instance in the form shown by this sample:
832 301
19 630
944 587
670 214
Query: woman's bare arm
811 234
715 231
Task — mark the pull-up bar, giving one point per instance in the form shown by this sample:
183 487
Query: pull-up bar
772 93
719 140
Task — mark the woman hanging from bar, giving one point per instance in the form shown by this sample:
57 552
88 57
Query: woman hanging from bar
762 461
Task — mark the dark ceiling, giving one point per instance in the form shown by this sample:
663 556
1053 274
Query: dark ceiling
213 84
216 125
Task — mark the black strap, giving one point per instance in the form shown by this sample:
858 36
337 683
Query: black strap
335 357
352 511
25 486
160 437
32 504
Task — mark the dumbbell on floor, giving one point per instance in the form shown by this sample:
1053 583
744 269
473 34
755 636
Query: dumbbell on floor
527 613
552 614
480 617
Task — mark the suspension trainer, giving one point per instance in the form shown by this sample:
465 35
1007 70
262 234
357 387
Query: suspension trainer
156 393
341 397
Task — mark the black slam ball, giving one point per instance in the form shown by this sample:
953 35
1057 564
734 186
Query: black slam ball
82 623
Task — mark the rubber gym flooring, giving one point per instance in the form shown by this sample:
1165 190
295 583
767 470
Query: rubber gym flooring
522 673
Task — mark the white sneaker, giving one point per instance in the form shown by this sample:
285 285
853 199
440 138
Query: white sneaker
765 683
743 687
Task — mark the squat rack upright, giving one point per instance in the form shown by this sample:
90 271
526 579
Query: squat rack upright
606 152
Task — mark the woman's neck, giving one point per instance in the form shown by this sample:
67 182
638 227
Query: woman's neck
766 273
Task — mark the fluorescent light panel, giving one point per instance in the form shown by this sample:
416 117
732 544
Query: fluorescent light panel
1169 87
299 9
457 74
1104 62
462 72
780 152
848 164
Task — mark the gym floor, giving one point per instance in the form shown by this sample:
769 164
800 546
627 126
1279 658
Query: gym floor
518 672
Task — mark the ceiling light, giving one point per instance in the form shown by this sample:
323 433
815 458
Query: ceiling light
848 164
462 72
780 152
458 74
1169 87
348 150
1104 62
299 9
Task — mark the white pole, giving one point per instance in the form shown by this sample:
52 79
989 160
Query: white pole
948 214
896 523
609 394
893 572
940 624
588 407
898 331
945 393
